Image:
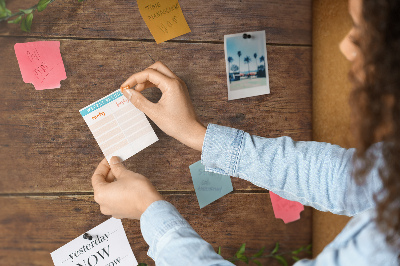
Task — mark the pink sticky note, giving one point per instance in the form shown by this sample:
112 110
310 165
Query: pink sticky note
41 64
284 209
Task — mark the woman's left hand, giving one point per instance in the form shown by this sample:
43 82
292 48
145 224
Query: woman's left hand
120 192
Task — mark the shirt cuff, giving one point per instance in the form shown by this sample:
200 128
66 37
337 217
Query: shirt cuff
221 150
158 219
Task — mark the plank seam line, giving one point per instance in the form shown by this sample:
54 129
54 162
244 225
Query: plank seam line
88 193
139 40
147 52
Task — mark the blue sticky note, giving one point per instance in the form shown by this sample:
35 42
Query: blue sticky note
209 186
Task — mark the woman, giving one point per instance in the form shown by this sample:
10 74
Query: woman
316 174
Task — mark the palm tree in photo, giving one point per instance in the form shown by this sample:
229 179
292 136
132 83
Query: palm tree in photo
247 60
230 60
255 60
262 59
239 54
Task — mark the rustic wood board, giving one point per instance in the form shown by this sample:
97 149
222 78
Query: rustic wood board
47 147
285 22
32 227
48 153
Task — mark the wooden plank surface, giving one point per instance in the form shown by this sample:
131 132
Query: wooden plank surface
47 146
30 227
48 153
285 22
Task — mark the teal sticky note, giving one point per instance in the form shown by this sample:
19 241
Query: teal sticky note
209 186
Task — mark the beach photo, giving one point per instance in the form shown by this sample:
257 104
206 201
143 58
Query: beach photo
246 64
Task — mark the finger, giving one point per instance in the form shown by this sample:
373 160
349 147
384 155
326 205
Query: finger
100 174
117 167
105 210
140 102
160 67
110 177
142 86
157 78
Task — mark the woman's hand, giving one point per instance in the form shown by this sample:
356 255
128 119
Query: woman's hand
173 113
120 192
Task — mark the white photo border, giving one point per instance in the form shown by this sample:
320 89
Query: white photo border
248 92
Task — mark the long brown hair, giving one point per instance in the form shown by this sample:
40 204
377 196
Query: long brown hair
376 106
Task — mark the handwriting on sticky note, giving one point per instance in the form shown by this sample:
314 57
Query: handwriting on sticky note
41 63
108 246
209 186
164 18
284 209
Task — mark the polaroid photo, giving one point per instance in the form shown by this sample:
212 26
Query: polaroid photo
246 64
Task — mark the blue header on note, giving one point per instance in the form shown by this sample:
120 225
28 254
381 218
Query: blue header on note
100 103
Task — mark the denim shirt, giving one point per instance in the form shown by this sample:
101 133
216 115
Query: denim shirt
312 173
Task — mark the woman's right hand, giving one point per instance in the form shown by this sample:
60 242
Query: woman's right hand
173 113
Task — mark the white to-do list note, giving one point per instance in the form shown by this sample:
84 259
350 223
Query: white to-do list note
118 126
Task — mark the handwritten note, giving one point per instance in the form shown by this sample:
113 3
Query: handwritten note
108 246
164 18
284 209
41 64
209 186
118 126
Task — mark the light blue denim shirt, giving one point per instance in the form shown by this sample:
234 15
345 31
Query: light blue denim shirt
312 173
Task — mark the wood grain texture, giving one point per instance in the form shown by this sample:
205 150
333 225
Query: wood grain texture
47 146
32 227
47 149
285 22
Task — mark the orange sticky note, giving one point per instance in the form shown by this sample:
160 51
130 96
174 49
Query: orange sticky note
41 63
284 209
164 18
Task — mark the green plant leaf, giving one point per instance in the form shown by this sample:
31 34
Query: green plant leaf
243 258
15 21
297 251
142 264
80 1
26 23
257 262
295 258
241 250
308 249
259 253
23 24
42 5
219 250
26 11
232 260
281 260
276 248
4 12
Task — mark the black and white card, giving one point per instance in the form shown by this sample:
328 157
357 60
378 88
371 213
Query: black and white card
109 246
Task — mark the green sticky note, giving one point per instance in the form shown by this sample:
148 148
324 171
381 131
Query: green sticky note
209 186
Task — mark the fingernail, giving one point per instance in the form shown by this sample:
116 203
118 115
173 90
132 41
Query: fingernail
129 92
127 87
115 160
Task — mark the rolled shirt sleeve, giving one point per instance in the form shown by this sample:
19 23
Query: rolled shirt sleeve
172 241
313 173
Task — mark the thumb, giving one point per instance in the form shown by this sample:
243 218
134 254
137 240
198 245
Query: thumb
139 101
99 176
117 167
